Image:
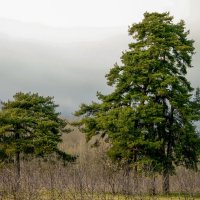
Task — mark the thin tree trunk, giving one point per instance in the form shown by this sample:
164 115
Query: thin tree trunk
153 185
18 171
17 176
169 151
18 168
167 168
17 164
127 177
166 182
135 174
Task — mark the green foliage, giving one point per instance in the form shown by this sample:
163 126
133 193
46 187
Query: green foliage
149 117
29 124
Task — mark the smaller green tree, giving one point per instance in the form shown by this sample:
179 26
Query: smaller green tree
29 124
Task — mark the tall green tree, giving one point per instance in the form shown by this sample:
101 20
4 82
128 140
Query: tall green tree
149 117
29 124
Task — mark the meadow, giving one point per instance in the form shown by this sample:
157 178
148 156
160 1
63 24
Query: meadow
91 177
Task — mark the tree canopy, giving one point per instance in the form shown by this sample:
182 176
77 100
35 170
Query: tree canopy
29 124
149 117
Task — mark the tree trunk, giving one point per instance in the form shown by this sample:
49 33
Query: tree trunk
126 183
165 181
169 151
17 164
18 171
135 174
17 176
153 186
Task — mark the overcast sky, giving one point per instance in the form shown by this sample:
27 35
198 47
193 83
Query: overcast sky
64 48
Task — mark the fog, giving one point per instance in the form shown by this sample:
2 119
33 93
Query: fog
70 70
70 63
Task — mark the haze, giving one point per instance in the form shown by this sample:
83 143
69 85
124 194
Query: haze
64 48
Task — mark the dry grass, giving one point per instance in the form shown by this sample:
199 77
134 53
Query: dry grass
56 195
92 177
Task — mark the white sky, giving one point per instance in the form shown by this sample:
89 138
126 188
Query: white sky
69 13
